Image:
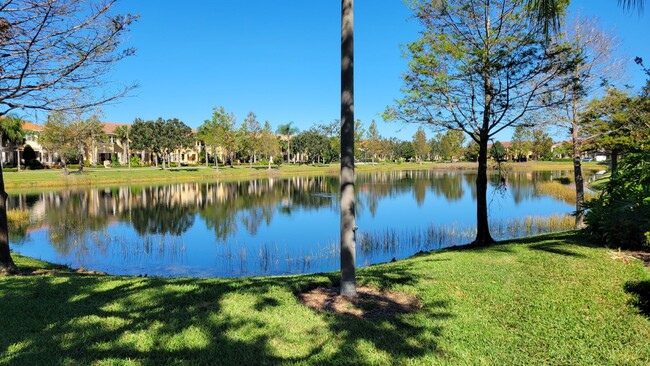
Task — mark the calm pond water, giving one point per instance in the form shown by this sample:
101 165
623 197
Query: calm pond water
268 226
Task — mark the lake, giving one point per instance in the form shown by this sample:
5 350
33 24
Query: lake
271 226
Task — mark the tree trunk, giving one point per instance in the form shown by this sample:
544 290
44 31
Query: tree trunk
7 264
614 160
65 167
577 173
128 152
81 161
2 158
18 153
347 228
216 162
483 236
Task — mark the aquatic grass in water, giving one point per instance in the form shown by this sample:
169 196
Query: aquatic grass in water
560 191
383 245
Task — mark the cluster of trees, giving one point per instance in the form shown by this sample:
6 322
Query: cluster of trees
250 141
481 67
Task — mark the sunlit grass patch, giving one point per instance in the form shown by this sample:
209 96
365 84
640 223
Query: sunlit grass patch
550 299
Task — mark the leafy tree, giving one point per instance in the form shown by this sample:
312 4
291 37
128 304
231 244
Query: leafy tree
420 145
542 144
471 151
373 141
621 215
69 135
611 123
269 144
435 146
314 144
521 142
478 67
55 56
359 133
143 137
497 151
174 135
595 63
333 131
219 132
248 137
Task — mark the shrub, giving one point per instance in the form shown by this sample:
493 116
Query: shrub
34 164
28 153
136 161
621 215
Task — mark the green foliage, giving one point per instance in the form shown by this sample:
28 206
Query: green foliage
136 161
28 153
11 130
70 135
521 141
420 145
621 215
219 131
497 151
314 144
541 144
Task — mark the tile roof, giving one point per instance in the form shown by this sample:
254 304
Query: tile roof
110 127
28 126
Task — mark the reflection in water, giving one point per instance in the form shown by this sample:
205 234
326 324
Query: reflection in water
265 226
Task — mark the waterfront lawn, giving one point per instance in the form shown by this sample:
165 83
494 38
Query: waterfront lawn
99 176
551 299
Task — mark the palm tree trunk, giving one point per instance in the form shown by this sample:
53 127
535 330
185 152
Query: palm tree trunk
347 227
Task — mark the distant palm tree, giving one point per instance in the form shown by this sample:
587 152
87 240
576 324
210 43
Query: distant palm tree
11 131
287 130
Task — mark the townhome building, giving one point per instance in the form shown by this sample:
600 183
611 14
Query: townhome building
101 152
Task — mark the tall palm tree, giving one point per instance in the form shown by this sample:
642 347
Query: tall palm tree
287 130
348 245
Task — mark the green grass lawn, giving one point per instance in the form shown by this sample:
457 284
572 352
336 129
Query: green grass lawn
54 178
551 299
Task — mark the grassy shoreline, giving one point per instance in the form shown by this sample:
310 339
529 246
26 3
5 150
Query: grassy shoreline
26 180
550 299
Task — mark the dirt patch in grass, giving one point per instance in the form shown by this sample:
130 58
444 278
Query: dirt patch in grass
370 303
624 256
644 256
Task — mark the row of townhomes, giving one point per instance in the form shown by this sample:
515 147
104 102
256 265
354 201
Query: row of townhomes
99 153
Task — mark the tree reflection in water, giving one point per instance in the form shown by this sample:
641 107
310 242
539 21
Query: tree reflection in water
261 226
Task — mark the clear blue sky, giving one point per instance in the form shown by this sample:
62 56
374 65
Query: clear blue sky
280 59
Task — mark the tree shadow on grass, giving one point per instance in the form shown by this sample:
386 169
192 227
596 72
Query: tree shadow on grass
640 290
151 321
556 243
